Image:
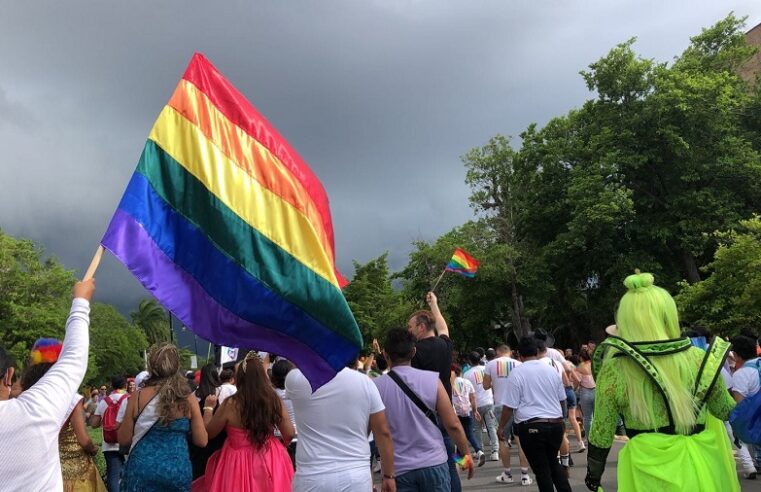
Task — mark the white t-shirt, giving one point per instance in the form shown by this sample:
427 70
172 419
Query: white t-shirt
333 421
31 423
745 380
498 370
555 365
226 390
461 391
534 390
476 377
101 409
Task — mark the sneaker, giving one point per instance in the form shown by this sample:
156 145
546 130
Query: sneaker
570 460
494 456
481 457
749 473
581 449
505 478
376 467
526 480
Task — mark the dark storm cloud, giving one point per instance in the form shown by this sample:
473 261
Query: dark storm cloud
380 97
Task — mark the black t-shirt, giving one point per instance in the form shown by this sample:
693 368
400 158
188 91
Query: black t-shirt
435 354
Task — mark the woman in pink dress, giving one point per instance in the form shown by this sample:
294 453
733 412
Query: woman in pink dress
252 459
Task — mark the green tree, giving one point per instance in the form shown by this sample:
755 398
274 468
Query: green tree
372 300
116 346
35 295
152 319
727 300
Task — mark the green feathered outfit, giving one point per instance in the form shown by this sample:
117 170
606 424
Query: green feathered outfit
660 459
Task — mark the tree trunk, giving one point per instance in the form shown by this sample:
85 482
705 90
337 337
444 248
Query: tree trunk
690 267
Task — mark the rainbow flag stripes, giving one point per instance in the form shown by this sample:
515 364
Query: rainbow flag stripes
231 231
463 263
503 368
478 374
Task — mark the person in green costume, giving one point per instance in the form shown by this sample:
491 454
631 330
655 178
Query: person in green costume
670 396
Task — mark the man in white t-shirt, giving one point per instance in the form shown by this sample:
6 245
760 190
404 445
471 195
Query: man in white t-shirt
495 378
333 454
533 397
113 458
485 404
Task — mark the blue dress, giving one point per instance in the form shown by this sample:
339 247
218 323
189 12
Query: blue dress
160 461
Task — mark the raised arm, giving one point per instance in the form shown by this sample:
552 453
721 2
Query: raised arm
51 395
441 325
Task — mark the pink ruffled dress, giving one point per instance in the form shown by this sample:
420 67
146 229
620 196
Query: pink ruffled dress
241 466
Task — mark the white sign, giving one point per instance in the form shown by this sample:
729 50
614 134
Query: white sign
194 362
228 354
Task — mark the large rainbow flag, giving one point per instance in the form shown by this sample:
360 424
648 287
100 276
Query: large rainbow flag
463 263
229 229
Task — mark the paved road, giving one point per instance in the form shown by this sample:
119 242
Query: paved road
485 476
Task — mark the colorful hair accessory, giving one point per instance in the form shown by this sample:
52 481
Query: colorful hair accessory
45 350
466 462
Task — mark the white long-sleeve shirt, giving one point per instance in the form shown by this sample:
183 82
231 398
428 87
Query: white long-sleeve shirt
30 424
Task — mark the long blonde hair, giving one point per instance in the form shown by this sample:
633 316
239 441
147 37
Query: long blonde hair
172 387
648 313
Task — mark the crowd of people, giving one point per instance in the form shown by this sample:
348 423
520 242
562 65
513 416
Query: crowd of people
411 415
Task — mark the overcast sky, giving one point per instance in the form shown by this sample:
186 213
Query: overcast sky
381 98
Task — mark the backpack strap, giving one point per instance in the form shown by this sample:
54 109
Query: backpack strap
710 370
415 398
637 356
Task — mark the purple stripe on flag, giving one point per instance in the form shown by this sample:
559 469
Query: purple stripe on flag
181 294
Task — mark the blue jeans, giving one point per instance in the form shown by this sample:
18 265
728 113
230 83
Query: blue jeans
454 478
467 426
587 403
487 417
114 465
433 479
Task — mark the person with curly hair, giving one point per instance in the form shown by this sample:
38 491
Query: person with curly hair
156 424
670 395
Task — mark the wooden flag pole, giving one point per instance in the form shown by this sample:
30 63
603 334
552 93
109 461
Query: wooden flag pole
90 273
436 283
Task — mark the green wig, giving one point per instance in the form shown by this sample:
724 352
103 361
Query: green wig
648 313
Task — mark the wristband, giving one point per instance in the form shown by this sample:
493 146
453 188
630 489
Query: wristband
389 477
208 408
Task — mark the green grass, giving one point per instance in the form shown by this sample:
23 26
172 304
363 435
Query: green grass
97 437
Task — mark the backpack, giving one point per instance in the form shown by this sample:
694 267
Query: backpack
745 419
110 425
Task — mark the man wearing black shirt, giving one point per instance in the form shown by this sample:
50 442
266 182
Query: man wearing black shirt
434 353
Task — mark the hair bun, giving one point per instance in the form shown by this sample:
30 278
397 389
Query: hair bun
639 281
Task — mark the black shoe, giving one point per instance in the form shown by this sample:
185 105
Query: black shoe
570 460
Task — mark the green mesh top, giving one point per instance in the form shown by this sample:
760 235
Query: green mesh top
611 393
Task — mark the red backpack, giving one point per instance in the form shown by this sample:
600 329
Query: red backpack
110 426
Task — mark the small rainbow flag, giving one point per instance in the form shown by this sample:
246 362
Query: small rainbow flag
231 231
463 263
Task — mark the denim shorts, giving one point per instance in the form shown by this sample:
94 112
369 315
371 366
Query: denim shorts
570 397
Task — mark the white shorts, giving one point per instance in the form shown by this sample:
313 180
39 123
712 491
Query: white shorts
356 480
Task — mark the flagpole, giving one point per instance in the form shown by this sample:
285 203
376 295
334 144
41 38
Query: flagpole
435 284
90 273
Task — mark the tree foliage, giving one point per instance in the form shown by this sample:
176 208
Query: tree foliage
153 320
729 299
116 346
35 295
375 304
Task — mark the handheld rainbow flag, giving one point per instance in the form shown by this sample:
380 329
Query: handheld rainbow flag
463 263
229 229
